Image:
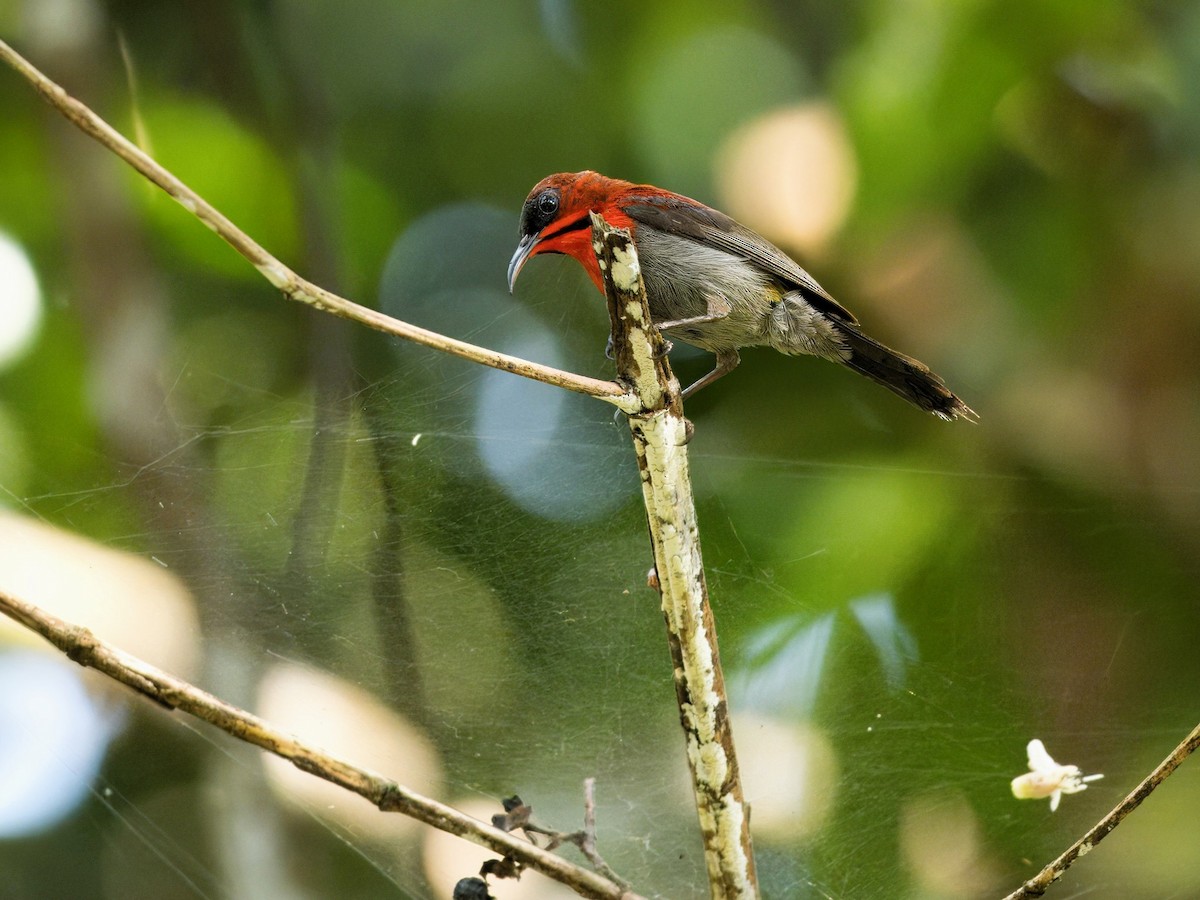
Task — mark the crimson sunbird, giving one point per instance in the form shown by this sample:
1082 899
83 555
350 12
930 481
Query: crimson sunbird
716 284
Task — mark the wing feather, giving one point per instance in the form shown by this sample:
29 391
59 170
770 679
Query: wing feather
692 220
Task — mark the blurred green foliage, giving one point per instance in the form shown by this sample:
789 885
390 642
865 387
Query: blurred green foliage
471 550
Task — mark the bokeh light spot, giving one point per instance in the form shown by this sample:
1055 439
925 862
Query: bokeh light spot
790 777
330 712
53 736
790 174
694 92
20 301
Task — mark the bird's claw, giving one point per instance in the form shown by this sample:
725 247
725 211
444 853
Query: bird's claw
664 348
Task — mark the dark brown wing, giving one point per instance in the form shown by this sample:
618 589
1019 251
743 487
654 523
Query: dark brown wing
686 218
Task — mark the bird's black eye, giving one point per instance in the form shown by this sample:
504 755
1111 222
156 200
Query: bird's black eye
540 210
547 203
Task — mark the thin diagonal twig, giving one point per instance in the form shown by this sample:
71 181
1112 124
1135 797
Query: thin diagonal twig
1036 886
83 647
288 282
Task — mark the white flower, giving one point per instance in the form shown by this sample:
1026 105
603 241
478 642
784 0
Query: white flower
1046 778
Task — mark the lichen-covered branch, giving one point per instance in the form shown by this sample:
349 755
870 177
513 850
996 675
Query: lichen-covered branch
1036 886
660 436
83 647
288 282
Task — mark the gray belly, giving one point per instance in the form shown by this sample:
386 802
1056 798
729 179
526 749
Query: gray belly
683 278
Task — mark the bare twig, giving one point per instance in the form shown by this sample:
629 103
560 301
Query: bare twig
83 647
587 843
1036 886
518 815
292 285
660 436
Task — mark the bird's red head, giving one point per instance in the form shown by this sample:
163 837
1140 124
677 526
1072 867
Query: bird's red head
555 219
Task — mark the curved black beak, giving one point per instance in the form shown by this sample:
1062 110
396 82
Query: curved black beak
524 249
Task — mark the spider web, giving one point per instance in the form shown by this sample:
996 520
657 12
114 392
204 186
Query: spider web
445 568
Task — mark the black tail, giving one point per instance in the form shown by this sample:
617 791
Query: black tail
902 375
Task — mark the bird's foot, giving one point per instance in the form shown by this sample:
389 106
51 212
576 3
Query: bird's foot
718 308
